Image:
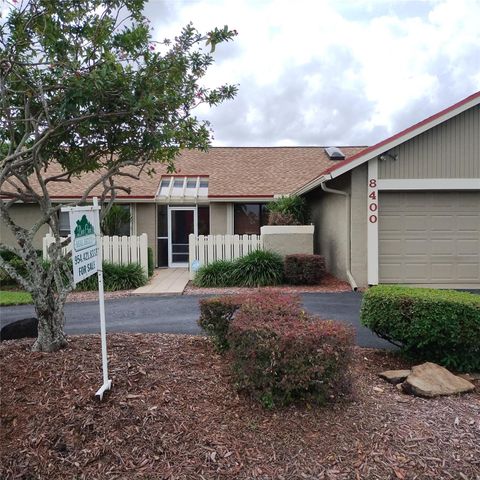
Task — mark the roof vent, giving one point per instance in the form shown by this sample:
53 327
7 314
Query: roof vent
335 153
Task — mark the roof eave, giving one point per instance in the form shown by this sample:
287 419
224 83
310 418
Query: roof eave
405 135
391 142
313 184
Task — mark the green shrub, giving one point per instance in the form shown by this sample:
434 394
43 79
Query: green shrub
151 262
16 262
116 220
116 277
215 274
437 325
7 255
290 210
302 269
282 355
217 313
258 269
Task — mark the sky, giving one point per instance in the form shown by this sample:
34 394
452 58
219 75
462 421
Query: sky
331 72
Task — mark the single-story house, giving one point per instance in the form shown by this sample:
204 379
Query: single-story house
406 210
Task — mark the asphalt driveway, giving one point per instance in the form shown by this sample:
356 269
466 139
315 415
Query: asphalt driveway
179 314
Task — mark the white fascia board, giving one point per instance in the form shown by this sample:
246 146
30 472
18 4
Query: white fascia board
313 184
89 199
241 199
182 200
430 184
407 136
372 222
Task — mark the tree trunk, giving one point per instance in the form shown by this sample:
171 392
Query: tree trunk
51 319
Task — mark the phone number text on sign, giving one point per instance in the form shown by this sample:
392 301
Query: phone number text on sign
86 262
85 256
373 200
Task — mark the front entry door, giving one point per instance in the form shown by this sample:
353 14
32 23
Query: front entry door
182 221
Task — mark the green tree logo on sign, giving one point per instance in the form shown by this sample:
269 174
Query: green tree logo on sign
84 234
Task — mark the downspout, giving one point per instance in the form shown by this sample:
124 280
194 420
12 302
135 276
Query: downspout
348 256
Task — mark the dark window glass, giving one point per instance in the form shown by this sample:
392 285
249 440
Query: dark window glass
162 222
248 218
263 214
204 220
182 226
64 224
124 227
162 252
191 182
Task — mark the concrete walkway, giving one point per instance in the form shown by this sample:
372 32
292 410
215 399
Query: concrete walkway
165 281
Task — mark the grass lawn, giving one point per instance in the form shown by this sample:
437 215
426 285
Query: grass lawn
12 297
173 413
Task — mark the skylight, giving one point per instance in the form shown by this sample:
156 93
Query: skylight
334 153
183 187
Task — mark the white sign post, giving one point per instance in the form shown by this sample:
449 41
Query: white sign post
87 259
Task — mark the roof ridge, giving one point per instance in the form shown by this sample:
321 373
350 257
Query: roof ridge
412 128
288 146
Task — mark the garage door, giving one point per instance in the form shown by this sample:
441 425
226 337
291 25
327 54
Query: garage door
429 238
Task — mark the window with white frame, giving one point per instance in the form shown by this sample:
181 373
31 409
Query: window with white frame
120 221
183 187
64 224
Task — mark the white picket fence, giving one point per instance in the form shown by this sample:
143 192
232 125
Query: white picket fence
209 248
120 250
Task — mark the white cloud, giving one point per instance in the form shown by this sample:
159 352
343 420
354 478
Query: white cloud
323 71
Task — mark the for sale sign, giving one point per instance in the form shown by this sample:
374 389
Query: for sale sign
84 244
87 258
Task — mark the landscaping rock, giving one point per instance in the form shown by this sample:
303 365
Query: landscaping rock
432 380
25 328
394 376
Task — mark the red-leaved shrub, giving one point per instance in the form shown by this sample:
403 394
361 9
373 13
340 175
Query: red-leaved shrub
280 354
217 313
303 269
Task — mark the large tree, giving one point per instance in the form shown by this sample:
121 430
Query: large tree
85 88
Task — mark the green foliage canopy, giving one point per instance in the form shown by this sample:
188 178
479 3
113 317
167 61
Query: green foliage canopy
86 87
85 84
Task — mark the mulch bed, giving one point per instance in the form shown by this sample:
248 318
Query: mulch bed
174 414
329 284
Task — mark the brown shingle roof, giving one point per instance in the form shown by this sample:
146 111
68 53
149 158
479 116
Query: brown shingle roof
145 187
232 172
265 171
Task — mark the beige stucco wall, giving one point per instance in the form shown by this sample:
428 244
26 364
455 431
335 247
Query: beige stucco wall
25 216
218 218
359 225
146 217
328 216
287 240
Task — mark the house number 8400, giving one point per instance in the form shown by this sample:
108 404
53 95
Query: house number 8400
372 204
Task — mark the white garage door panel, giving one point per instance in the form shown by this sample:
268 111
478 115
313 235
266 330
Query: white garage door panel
429 237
